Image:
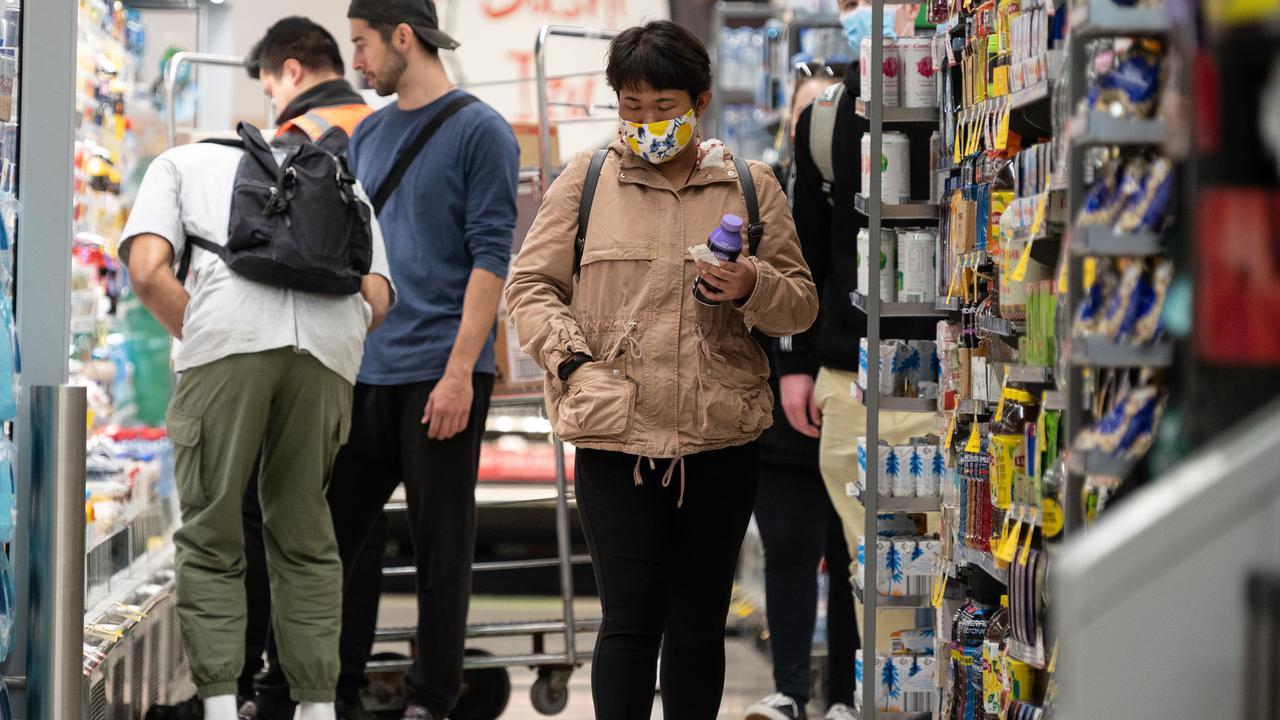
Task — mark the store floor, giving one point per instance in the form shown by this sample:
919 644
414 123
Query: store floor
747 679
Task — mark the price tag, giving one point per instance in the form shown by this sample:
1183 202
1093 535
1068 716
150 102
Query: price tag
1020 271
1002 134
1009 542
951 430
1026 547
1000 406
939 587
974 444
1053 659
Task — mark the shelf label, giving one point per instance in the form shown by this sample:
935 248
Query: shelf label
1002 135
1037 222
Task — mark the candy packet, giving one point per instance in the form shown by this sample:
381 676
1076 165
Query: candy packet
1130 88
1147 197
1101 199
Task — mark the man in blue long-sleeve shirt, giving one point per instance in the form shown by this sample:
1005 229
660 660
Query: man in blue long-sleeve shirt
423 390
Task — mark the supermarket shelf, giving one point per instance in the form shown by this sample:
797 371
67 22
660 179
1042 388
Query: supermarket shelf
912 211
973 406
1027 517
916 601
1017 651
983 561
1029 96
1103 241
899 404
1027 373
1097 128
899 114
1000 326
889 504
1104 353
885 715
1100 18
1096 462
898 309
1055 400
952 305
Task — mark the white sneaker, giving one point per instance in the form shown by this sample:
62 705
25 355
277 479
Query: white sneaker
840 711
316 711
221 707
776 707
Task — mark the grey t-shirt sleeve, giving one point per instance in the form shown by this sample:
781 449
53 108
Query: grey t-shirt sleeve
379 265
157 210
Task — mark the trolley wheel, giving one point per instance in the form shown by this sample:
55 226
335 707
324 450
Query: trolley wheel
485 692
550 692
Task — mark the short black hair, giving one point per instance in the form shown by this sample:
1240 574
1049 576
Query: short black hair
386 30
661 53
295 38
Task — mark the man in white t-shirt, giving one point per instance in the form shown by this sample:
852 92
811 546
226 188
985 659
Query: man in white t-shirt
263 368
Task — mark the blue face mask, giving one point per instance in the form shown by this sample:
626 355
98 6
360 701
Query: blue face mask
857 25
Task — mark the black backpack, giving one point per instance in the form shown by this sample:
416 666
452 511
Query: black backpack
755 228
295 224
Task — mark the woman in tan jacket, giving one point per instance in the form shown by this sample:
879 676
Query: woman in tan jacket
663 396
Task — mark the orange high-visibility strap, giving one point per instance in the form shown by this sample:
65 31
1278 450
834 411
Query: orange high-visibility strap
318 121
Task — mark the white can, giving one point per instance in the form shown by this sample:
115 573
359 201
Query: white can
917 265
888 277
895 168
891 71
919 77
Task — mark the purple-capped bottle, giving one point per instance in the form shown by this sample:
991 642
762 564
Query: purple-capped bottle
725 243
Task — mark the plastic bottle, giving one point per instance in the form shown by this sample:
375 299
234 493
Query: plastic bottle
725 242
7 610
8 490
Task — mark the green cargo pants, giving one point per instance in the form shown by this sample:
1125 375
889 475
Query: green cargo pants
298 413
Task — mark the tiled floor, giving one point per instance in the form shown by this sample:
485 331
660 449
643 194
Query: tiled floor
747 678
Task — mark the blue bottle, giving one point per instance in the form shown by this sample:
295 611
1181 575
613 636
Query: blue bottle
725 243
7 610
8 491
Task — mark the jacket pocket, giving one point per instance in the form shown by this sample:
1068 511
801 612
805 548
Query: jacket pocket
614 281
598 403
184 434
731 402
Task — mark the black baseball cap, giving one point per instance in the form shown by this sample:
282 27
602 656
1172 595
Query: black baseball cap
420 15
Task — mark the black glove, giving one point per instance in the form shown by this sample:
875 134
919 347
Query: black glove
568 367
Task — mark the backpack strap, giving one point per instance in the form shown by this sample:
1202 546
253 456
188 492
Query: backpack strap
822 129
755 228
414 149
184 266
584 206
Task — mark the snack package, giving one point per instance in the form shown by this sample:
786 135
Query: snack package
1101 200
1118 305
1147 197
1130 88
1148 323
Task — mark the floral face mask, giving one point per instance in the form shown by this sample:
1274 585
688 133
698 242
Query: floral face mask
661 141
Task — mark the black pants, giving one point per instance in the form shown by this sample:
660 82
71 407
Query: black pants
665 575
389 446
362 591
798 524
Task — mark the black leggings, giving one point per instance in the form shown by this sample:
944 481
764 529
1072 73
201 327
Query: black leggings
798 524
665 575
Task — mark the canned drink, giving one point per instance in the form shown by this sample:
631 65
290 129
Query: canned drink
895 168
890 70
919 76
888 271
917 266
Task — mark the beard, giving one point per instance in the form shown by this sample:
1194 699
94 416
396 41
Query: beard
387 78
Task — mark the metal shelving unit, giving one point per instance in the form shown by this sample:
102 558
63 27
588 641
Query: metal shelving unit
1002 327
908 211
1102 18
1103 241
877 213
899 309
906 504
983 561
1093 352
1097 128
892 404
1096 462
895 115
1027 373
1031 95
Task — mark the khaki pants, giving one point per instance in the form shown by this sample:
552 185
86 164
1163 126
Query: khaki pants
843 420
297 413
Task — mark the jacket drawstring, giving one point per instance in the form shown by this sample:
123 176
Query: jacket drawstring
629 341
666 477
